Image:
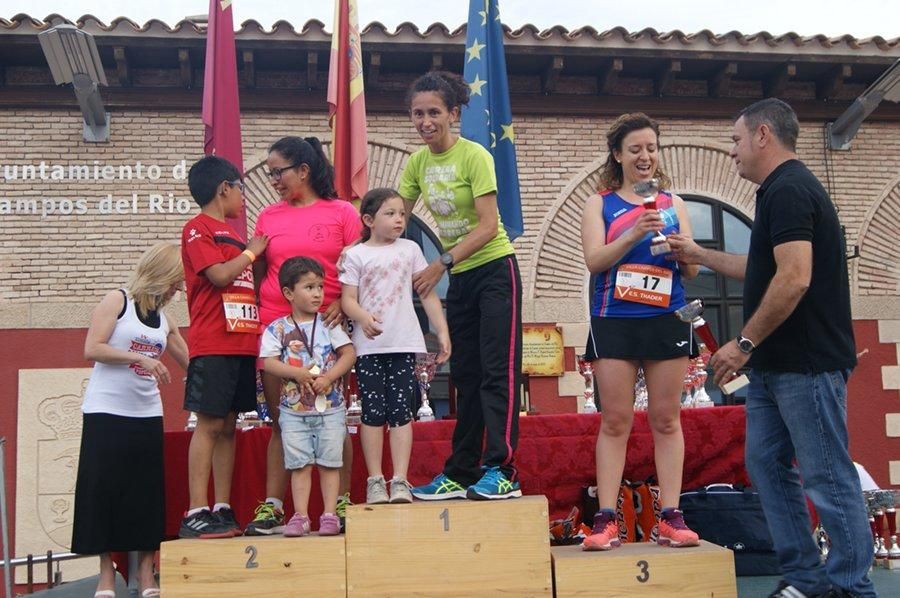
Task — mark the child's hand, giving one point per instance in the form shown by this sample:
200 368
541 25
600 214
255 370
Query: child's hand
370 326
303 377
444 346
322 385
257 245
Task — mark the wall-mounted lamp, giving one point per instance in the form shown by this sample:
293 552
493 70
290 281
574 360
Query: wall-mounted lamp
73 58
844 129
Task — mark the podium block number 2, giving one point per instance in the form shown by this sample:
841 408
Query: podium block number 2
251 562
445 516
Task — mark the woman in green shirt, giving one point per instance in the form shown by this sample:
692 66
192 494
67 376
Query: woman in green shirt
455 178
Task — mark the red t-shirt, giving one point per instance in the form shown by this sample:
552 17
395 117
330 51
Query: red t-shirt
205 242
320 230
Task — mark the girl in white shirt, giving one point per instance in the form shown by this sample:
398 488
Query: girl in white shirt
377 296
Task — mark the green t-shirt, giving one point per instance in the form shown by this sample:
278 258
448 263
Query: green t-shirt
449 183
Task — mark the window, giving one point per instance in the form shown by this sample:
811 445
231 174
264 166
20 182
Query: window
717 226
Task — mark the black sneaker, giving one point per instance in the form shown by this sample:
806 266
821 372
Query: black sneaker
786 590
204 525
267 521
226 516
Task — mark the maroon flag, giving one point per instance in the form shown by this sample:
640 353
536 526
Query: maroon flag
347 104
221 108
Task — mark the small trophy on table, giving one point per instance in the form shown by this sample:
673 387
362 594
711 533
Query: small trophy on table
693 314
649 190
586 369
425 366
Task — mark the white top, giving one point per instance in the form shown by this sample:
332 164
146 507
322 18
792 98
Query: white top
383 275
122 389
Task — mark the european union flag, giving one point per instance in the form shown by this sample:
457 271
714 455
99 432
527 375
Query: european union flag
487 119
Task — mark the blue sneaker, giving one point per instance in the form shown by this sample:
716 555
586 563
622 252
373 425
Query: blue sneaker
440 488
493 485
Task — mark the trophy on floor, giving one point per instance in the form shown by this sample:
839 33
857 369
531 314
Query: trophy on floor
687 387
649 190
191 422
425 366
693 313
586 369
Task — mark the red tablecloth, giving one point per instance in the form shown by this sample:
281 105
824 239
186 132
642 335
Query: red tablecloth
555 457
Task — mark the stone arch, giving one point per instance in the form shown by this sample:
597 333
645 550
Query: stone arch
558 272
878 270
386 161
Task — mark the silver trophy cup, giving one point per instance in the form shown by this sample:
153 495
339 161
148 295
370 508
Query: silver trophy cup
586 369
649 190
425 366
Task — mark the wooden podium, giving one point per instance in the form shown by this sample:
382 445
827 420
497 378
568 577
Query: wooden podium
254 566
645 569
449 548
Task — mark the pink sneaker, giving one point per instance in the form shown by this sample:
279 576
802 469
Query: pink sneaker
297 526
329 524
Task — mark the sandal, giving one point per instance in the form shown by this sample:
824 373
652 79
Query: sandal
105 594
150 593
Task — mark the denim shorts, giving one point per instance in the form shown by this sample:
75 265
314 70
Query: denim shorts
313 439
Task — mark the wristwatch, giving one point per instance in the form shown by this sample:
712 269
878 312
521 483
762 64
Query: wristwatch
447 260
745 344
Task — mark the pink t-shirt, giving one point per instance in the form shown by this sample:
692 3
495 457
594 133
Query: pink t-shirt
383 275
320 230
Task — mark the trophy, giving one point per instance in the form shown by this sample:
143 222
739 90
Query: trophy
701 397
425 366
822 541
641 398
693 313
687 389
586 369
874 534
648 190
191 422
881 551
894 552
354 415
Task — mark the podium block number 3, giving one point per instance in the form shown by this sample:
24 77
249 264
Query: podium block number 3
445 516
644 566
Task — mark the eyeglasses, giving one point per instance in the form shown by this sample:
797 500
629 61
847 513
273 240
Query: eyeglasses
276 173
237 183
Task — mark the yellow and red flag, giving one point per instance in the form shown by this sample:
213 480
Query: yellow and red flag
347 104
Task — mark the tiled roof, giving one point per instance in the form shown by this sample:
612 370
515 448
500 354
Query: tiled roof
617 38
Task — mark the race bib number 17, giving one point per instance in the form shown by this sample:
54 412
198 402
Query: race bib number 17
640 283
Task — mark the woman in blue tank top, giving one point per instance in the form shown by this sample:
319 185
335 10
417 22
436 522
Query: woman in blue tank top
632 325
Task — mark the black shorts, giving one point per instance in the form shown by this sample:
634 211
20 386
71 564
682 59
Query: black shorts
387 384
659 337
219 384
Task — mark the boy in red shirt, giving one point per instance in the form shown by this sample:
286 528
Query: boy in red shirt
223 340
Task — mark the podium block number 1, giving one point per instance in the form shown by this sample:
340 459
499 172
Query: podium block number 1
445 516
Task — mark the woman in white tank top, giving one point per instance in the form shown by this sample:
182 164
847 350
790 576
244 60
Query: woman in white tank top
119 494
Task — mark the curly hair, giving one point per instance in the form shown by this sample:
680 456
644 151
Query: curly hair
611 176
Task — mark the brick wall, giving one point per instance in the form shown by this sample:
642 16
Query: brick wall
53 267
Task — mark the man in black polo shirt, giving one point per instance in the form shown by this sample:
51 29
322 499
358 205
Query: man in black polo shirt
798 340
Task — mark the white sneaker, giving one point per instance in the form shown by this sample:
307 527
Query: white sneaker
400 491
376 490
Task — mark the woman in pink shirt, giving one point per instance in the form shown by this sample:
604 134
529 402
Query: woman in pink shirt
309 221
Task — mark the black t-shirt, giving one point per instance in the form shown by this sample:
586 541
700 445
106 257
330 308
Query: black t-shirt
792 205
